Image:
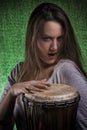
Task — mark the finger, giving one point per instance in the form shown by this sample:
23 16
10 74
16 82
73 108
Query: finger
43 80
36 90
47 84
41 86
33 88
38 84
25 90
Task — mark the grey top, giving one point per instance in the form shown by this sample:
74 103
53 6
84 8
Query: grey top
65 72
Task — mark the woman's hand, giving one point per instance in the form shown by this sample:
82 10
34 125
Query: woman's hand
29 87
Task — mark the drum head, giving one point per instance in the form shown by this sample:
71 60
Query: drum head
55 93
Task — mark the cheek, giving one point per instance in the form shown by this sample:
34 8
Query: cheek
43 47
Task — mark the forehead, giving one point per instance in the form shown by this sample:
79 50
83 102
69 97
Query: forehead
51 28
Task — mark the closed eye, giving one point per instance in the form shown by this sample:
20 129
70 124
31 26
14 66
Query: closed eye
46 38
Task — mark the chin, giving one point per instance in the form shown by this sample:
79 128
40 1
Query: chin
51 62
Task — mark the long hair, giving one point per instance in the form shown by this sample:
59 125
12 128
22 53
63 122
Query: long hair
69 50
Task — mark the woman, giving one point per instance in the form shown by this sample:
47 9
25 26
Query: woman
51 56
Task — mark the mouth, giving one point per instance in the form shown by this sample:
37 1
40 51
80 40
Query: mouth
52 55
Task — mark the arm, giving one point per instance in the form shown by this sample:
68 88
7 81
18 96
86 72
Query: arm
6 112
73 77
13 90
7 102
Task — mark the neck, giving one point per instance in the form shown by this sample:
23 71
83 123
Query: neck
46 70
46 66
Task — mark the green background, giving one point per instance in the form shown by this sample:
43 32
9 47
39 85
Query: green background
14 15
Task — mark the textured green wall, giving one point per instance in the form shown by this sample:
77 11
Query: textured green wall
14 16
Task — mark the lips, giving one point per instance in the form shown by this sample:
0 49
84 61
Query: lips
52 56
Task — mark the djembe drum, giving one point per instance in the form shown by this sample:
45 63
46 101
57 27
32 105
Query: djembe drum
53 109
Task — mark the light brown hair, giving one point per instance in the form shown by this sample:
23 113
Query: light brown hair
70 49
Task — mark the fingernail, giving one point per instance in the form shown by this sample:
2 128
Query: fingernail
44 79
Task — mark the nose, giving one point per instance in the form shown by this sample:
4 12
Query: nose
54 45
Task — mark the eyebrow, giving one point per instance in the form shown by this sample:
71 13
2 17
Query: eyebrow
46 35
61 36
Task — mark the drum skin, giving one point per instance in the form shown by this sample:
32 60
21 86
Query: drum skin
53 109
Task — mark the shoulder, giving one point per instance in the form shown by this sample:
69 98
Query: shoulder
66 64
68 67
11 79
14 72
17 67
71 74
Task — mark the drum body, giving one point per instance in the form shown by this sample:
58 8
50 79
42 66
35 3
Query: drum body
55 109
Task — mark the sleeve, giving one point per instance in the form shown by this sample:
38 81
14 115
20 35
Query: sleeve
10 81
73 77
12 78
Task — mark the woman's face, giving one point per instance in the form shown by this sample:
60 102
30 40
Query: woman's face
49 41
